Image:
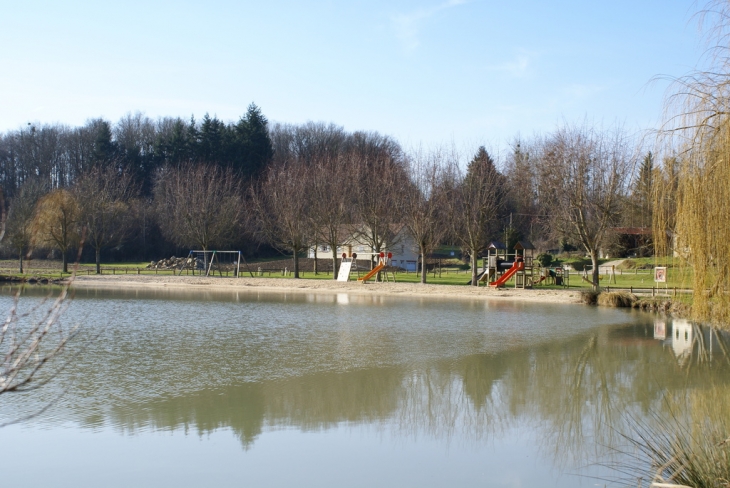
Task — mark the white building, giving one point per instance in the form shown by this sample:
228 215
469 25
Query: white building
401 245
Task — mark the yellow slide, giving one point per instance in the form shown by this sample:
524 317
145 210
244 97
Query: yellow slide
372 273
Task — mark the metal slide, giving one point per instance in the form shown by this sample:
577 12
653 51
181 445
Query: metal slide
518 266
372 273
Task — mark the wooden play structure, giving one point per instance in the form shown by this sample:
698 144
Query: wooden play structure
348 265
558 275
502 266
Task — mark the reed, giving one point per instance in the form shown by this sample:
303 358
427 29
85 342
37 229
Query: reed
617 299
687 444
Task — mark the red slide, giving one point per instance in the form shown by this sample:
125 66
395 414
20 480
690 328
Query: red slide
518 266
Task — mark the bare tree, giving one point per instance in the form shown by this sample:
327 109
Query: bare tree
55 223
379 174
20 218
199 205
104 196
476 205
282 207
423 201
583 174
330 196
31 344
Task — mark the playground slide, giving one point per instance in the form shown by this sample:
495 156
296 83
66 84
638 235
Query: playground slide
372 273
485 276
518 266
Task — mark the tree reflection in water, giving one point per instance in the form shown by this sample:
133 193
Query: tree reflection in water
316 362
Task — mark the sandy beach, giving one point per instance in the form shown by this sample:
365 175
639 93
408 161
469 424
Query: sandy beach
328 286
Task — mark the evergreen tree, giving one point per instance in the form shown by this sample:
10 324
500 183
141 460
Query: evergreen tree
254 148
104 147
643 190
477 206
210 148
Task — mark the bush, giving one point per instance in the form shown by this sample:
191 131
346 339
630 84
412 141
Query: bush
544 259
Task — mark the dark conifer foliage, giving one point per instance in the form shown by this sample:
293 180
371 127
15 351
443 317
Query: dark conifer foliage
58 154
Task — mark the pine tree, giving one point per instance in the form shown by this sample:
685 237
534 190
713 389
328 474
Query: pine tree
643 190
104 147
255 149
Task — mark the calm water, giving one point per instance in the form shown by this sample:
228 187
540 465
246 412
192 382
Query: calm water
249 389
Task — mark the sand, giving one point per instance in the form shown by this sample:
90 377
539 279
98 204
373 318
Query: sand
537 294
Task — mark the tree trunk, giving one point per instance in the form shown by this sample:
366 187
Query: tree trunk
20 262
594 261
315 260
378 278
64 260
335 269
296 264
474 270
423 266
98 260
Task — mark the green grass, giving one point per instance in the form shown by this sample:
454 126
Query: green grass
649 263
637 278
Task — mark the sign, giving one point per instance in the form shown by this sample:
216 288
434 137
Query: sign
660 274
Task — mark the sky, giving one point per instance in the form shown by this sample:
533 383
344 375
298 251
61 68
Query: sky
426 72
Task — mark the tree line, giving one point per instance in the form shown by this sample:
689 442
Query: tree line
142 189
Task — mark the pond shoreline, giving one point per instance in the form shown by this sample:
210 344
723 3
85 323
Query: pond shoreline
328 286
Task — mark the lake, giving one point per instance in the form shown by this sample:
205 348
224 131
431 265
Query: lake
201 388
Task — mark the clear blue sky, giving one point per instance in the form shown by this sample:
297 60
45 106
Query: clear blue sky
430 71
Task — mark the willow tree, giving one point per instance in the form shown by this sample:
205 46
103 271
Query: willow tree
698 130
56 222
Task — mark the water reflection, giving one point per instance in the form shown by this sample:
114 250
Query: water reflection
467 371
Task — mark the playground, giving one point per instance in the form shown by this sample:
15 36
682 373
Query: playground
633 275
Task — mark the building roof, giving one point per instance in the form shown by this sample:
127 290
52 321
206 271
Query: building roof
524 244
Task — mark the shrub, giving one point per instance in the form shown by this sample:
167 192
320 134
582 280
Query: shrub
544 259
